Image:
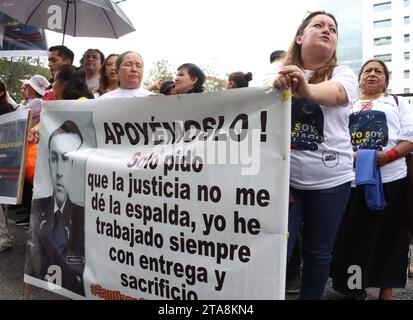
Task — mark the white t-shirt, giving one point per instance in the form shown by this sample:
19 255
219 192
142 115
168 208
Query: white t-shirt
93 84
321 152
140 92
381 125
35 105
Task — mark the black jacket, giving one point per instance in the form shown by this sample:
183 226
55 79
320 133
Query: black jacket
57 242
6 108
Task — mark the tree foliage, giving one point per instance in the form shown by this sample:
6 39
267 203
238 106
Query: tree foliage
161 70
14 69
212 82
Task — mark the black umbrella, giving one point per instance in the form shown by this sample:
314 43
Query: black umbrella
78 18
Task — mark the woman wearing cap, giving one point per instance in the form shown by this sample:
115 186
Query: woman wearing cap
36 87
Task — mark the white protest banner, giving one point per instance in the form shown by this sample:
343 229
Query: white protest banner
182 197
13 145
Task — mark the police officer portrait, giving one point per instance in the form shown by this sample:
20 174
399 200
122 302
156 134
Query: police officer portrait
56 242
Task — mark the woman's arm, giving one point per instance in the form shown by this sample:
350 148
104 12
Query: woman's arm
402 149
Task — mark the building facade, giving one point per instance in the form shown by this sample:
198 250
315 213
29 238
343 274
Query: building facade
350 29
381 29
388 36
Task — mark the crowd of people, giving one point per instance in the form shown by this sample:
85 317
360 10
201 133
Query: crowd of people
359 133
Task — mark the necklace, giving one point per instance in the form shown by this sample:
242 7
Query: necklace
367 101
371 97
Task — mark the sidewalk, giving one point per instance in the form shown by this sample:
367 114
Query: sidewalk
12 267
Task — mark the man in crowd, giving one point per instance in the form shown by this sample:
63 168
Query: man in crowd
90 63
58 56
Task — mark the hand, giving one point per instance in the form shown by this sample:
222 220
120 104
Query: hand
293 77
34 135
158 84
354 159
290 199
382 158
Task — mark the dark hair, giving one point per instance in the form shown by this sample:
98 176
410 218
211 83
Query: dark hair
120 58
277 55
240 79
74 81
63 52
104 81
166 87
195 72
293 55
67 127
386 70
5 106
3 88
101 55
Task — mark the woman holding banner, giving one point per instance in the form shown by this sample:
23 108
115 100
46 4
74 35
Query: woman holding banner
321 155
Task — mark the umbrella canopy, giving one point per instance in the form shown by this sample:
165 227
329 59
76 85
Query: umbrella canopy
78 18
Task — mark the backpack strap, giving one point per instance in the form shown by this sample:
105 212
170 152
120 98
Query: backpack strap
396 98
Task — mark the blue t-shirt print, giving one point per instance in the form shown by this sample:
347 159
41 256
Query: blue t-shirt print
369 130
307 125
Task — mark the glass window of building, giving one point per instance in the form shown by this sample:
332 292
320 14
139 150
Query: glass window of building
407 20
406 90
383 57
390 75
382 41
388 91
384 6
407 38
407 56
382 24
406 3
407 74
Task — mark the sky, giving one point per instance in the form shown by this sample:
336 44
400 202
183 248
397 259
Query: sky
224 35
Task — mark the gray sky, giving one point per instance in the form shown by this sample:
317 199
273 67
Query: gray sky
227 35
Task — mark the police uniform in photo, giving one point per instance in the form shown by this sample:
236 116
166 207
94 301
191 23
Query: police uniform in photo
58 239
